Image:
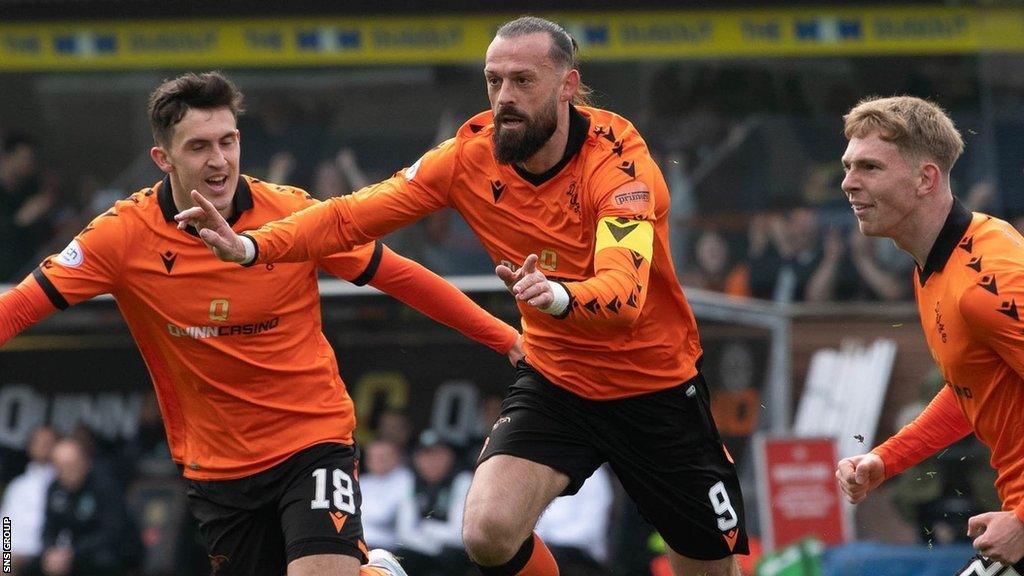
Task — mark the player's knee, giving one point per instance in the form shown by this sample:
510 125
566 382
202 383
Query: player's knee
490 540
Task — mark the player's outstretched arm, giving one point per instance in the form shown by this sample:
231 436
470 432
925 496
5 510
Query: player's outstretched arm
432 295
214 230
859 475
21 307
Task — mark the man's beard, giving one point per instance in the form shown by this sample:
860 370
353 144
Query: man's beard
517 146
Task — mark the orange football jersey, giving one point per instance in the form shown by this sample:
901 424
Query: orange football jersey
598 220
243 374
967 296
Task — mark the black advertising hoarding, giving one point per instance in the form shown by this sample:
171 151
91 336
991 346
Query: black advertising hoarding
80 366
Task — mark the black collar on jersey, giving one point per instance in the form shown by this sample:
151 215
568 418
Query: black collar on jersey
579 126
240 203
957 223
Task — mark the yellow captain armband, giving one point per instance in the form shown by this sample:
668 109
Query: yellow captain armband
635 235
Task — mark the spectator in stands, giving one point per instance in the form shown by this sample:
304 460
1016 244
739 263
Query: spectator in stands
24 205
280 167
393 424
336 176
430 518
25 498
576 527
713 268
883 268
790 262
282 139
87 529
385 483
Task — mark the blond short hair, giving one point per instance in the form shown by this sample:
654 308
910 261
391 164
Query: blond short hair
919 128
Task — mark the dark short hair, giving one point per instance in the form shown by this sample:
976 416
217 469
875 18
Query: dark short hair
564 48
169 103
563 45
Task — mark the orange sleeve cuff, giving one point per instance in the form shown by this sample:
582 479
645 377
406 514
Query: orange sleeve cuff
434 296
1019 512
21 307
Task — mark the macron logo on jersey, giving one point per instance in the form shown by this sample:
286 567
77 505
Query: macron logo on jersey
72 256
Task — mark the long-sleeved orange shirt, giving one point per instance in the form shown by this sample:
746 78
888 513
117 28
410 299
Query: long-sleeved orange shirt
598 220
967 296
243 374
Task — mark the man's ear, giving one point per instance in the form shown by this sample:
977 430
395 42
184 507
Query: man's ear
161 159
929 179
571 85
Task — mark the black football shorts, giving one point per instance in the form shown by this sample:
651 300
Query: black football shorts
663 446
306 505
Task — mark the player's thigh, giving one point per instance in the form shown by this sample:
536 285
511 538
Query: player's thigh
242 536
321 564
667 453
319 505
511 492
544 425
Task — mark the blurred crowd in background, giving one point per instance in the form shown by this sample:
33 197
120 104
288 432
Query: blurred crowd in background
118 508
750 153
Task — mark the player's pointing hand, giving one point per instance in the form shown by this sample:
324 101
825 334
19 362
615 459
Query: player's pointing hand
213 229
530 284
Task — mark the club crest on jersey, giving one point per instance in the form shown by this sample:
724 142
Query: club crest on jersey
72 256
574 197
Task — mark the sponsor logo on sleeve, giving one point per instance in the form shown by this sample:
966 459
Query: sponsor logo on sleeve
633 196
411 171
72 256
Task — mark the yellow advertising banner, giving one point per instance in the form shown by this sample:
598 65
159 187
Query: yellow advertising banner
604 36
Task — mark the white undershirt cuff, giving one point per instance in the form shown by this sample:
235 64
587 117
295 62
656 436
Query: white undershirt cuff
560 302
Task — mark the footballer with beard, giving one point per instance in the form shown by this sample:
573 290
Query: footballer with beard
572 209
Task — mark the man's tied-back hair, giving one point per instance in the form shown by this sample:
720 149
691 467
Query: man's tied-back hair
919 128
169 103
564 49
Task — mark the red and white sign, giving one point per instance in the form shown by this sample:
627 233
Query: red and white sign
797 491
